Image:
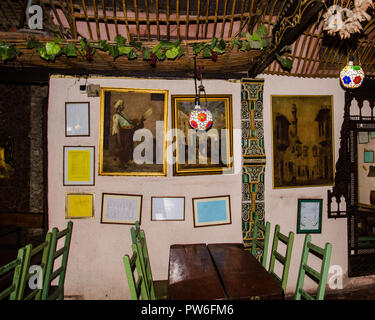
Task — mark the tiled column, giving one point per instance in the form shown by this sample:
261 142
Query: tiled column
253 155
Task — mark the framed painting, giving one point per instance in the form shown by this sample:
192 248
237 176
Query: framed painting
133 129
302 141
309 218
209 152
121 208
79 205
363 137
77 119
211 211
79 163
168 208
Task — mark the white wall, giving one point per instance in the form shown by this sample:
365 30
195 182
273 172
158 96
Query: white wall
95 268
281 204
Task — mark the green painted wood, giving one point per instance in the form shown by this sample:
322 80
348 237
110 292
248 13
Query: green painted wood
283 259
261 244
30 252
15 266
132 264
52 271
157 290
305 270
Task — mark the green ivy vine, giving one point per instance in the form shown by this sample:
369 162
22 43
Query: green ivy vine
161 51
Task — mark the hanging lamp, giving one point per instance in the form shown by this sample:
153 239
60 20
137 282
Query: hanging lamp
200 118
352 76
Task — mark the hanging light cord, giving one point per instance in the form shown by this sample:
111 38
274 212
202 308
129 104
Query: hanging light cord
197 100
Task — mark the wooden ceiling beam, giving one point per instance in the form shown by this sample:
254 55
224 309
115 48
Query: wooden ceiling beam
297 18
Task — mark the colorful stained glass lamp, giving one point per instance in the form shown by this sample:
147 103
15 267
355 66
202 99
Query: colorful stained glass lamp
200 118
352 76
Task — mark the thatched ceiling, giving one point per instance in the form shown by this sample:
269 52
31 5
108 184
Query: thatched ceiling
289 22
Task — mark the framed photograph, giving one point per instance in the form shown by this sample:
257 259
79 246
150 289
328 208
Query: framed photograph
363 137
167 208
121 208
302 141
309 218
79 165
77 119
368 156
372 134
133 129
209 152
211 211
79 205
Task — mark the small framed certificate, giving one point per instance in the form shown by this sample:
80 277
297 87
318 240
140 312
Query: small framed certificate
309 218
168 208
77 119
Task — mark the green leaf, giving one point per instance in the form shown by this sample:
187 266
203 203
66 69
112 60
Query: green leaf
136 45
120 40
166 45
52 49
172 53
43 54
156 48
255 37
146 54
132 55
213 43
103 45
265 42
261 31
70 50
180 52
254 44
113 51
32 43
236 42
124 50
58 40
207 53
83 43
285 62
198 47
160 55
248 36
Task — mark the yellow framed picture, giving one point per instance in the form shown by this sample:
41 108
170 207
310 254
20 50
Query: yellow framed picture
79 205
79 165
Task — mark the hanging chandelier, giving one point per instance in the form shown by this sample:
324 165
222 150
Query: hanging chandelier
352 76
200 118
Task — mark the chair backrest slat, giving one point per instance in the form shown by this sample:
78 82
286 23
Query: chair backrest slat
14 269
306 270
283 259
65 236
261 244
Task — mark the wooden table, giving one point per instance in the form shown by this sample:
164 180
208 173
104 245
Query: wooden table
192 274
218 271
242 275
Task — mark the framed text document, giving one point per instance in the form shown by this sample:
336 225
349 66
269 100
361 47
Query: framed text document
79 165
121 208
168 208
309 218
211 211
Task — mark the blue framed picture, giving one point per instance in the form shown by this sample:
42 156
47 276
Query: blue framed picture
211 211
372 134
368 156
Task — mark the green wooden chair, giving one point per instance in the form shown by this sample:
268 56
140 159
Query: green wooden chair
257 244
14 269
157 289
319 277
137 284
52 292
41 253
283 259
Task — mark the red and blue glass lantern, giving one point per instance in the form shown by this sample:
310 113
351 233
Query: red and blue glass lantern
200 119
352 76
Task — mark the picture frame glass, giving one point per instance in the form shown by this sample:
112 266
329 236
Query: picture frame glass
168 208
302 141
309 216
77 119
211 211
79 205
133 132
121 208
79 165
209 152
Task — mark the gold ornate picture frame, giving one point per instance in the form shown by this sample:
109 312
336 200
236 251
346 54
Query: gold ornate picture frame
208 152
133 130
302 140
